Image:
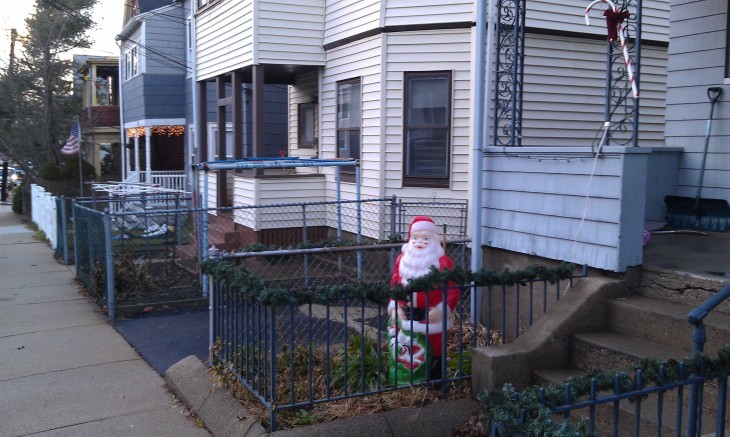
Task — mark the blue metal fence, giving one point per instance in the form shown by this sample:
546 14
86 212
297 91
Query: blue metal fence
653 398
297 328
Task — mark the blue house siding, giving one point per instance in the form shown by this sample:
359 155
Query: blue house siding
164 96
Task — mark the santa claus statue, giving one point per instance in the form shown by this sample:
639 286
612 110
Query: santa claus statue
415 328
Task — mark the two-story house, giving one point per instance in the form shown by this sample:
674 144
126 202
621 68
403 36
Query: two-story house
153 70
392 83
98 77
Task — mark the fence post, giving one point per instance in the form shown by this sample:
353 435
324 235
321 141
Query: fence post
213 256
694 416
272 366
64 230
111 298
76 242
304 240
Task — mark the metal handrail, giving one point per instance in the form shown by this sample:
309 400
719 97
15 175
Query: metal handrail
697 315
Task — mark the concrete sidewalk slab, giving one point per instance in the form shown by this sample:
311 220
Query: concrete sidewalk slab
38 277
152 423
24 354
37 317
39 294
83 395
23 266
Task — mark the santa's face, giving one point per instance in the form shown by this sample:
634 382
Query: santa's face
421 240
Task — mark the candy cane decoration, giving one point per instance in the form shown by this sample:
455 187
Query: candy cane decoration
625 50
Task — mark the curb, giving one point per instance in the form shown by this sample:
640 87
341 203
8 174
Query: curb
224 416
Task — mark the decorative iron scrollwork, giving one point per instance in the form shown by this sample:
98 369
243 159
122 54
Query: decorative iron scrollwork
621 107
510 36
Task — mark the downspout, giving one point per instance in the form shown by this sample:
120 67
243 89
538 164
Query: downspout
122 131
481 103
194 78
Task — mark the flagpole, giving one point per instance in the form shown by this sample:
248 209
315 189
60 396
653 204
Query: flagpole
81 173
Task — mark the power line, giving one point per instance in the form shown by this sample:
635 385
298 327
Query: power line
70 12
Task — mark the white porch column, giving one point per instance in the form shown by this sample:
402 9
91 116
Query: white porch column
148 154
136 153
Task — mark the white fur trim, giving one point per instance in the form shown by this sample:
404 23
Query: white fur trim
424 225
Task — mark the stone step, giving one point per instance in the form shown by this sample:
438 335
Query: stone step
665 322
678 287
611 351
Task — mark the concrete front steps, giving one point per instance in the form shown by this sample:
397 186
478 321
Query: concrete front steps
639 327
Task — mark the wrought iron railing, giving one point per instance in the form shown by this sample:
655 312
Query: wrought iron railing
653 398
302 327
510 65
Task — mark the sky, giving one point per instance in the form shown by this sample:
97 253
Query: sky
107 15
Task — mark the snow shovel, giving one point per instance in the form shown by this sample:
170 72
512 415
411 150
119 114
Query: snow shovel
699 213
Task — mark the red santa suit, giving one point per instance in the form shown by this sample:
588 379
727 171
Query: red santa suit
424 302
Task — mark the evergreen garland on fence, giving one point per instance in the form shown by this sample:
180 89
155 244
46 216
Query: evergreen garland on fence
505 405
252 287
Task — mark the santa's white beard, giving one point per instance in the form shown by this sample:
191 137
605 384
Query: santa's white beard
416 263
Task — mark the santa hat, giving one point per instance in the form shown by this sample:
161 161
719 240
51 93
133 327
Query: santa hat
422 223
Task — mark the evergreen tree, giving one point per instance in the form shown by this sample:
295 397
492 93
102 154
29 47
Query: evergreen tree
38 101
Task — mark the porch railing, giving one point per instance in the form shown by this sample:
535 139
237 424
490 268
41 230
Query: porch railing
172 179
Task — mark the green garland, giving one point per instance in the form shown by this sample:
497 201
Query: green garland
504 405
252 287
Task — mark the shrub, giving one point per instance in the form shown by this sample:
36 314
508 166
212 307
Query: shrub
18 200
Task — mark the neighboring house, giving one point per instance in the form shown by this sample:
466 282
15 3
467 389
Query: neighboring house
392 83
157 97
153 72
98 77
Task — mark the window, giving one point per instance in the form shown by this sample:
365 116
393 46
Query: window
131 63
189 46
427 129
348 121
305 125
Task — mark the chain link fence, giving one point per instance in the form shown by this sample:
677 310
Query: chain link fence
127 252
139 251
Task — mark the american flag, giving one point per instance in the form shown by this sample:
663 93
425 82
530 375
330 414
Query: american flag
72 144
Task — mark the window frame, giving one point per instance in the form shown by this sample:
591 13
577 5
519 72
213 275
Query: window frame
131 63
428 181
305 143
348 172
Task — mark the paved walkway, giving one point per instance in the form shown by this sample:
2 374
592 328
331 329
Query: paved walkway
63 369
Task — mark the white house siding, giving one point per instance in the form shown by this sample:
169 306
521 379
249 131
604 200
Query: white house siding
569 16
224 38
696 61
346 18
357 60
273 191
435 50
407 12
303 91
560 208
564 83
360 59
289 32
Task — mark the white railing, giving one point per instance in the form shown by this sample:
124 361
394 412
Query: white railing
172 180
43 213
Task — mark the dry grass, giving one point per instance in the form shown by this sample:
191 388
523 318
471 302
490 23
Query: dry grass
346 408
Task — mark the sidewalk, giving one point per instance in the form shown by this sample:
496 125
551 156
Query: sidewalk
63 369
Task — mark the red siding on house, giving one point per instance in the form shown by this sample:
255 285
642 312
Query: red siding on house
101 116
